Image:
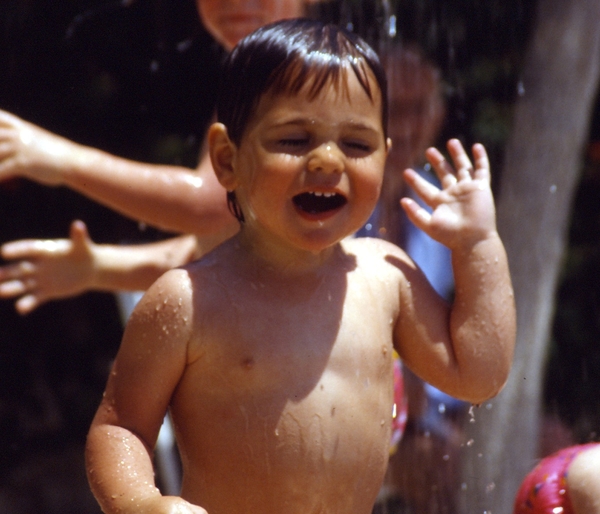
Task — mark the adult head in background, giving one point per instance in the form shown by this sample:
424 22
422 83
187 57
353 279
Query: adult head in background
229 20
416 113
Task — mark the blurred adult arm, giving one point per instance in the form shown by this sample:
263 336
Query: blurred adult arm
171 198
44 270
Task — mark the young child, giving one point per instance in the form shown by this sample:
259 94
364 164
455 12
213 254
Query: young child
274 351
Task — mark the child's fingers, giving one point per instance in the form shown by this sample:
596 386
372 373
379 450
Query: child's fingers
464 167
419 216
442 167
482 162
426 190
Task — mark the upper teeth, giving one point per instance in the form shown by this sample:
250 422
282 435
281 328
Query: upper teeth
320 193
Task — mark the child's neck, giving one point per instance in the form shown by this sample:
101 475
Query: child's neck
281 257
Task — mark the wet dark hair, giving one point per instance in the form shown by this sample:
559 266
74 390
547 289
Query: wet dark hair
281 58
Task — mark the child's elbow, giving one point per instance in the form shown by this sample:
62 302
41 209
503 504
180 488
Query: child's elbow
489 385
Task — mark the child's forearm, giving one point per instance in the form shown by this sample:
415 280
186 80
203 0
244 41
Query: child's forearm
482 321
119 469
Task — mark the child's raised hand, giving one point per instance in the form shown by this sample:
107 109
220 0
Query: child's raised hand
47 270
463 210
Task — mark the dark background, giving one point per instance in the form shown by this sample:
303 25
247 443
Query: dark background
140 82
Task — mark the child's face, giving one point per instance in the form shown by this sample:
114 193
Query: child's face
310 171
231 20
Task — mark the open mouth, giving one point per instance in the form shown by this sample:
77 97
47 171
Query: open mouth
318 202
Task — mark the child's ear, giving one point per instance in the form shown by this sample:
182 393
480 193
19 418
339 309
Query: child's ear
222 152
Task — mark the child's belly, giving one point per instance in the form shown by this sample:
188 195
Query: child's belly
276 450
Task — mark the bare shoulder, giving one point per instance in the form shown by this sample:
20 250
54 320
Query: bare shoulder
173 288
379 255
165 310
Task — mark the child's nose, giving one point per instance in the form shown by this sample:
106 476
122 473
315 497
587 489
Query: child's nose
326 158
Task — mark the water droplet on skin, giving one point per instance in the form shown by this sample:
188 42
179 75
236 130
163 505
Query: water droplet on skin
248 363
384 350
553 188
382 422
470 442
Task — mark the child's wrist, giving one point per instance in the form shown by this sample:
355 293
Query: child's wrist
476 243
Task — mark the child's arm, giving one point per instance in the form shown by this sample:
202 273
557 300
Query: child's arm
465 350
54 269
168 197
146 372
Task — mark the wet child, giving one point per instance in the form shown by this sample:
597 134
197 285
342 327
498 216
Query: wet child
273 353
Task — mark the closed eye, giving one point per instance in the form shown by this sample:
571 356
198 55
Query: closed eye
358 146
293 142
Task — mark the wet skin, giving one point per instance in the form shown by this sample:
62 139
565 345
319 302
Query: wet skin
273 352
